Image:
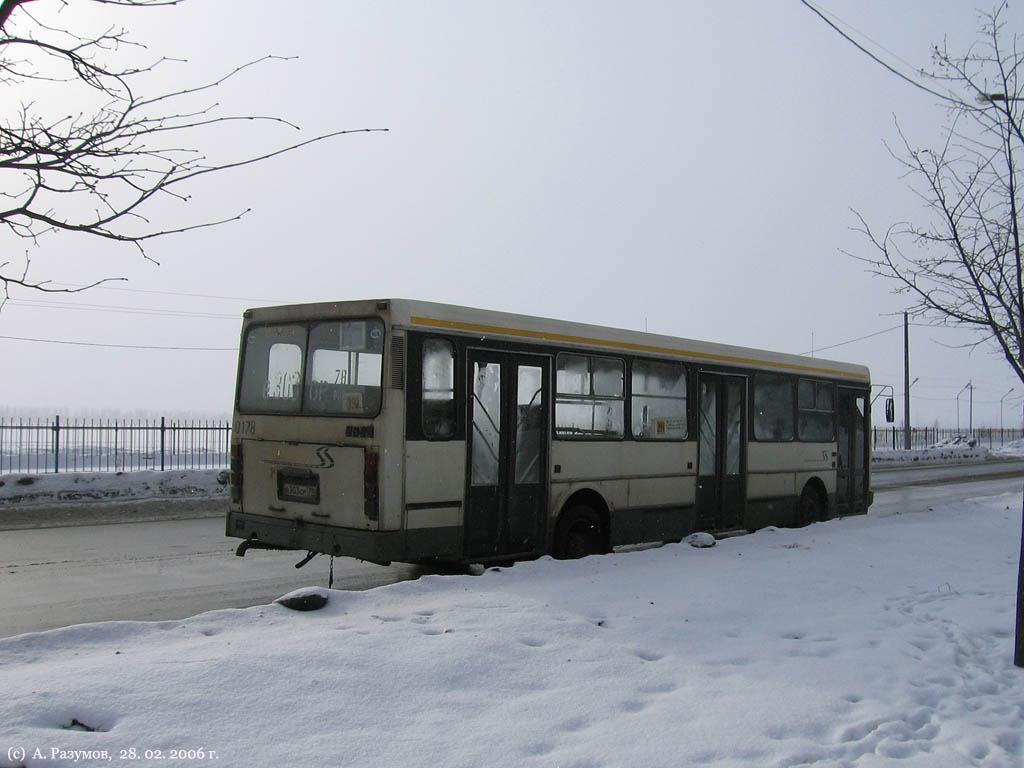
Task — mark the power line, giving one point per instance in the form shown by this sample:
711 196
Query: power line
867 37
851 341
873 57
172 293
120 346
39 304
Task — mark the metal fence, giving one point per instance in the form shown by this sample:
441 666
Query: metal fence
35 446
892 438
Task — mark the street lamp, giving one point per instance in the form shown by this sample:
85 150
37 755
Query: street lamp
1001 414
992 98
907 431
967 387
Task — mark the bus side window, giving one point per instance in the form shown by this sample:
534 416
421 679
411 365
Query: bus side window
773 407
438 389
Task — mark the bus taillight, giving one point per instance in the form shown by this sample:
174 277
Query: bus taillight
371 507
236 473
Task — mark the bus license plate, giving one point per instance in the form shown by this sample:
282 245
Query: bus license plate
304 489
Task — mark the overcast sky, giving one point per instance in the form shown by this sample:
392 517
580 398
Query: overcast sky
687 167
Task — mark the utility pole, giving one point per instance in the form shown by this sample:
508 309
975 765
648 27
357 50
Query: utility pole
906 383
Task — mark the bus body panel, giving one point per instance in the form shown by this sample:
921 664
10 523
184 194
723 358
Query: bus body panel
317 483
580 459
435 482
782 469
389 436
422 315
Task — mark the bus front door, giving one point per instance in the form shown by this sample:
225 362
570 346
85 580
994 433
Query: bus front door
721 483
507 445
852 469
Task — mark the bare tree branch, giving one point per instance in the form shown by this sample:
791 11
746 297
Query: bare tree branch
98 172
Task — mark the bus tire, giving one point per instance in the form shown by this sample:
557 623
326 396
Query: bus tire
810 509
578 534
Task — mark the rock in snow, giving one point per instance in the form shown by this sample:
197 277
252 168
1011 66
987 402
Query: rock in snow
701 540
304 599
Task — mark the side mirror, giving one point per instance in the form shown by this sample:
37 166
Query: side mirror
890 410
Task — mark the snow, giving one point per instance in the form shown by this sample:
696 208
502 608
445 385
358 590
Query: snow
957 449
859 641
1010 450
66 487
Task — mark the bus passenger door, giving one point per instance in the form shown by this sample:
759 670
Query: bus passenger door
721 479
852 467
506 507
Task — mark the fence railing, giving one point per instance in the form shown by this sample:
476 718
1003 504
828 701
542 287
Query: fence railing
892 438
36 446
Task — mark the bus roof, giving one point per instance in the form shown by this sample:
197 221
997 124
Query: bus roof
480 323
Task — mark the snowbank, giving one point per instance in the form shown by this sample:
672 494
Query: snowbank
1010 450
857 641
958 449
949 455
110 486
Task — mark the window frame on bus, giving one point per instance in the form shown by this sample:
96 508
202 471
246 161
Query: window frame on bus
430 433
632 397
414 416
307 325
753 417
815 409
556 431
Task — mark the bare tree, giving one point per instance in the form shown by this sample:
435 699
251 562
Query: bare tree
961 264
100 170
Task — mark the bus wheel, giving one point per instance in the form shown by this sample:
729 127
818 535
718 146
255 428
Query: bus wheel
578 534
810 509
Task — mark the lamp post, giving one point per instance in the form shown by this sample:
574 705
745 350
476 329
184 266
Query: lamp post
992 98
907 433
968 386
1001 415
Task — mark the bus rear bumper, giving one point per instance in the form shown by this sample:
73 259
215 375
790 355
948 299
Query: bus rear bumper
274 533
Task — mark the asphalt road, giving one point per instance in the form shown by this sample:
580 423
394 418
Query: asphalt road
924 474
164 570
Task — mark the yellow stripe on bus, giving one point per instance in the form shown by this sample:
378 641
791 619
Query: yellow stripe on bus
544 336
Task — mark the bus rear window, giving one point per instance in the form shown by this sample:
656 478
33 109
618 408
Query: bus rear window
344 365
328 368
272 369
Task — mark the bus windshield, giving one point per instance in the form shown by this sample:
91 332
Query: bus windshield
322 368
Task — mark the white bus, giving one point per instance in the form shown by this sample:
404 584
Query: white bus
397 430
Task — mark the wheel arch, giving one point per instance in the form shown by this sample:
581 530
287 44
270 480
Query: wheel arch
817 485
586 497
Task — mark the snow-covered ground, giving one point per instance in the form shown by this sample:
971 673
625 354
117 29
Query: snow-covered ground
866 641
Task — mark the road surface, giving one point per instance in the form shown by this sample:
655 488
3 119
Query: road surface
172 569
900 475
